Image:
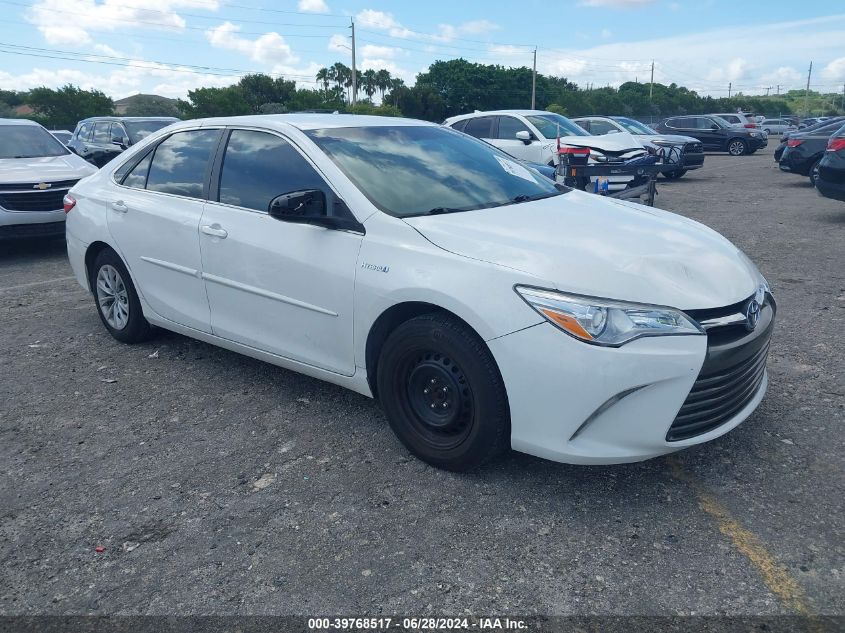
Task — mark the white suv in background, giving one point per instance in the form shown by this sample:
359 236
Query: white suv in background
36 171
532 136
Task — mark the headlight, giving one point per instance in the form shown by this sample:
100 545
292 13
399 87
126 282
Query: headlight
606 322
755 134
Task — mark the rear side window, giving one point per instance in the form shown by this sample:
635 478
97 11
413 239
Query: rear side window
258 166
459 125
600 128
731 118
482 127
509 126
137 178
180 163
83 132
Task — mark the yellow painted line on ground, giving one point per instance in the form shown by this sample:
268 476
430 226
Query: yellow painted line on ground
776 576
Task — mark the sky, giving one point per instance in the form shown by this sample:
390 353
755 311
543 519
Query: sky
168 47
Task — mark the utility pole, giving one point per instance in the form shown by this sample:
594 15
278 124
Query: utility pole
354 69
651 83
767 90
807 93
534 81
730 85
778 89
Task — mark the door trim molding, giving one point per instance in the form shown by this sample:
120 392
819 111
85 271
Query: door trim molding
193 272
266 294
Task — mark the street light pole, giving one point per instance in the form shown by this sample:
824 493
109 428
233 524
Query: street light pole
354 69
534 81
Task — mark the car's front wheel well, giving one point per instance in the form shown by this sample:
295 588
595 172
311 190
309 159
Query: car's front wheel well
388 321
94 249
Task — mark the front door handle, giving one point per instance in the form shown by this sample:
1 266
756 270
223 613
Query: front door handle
119 206
216 230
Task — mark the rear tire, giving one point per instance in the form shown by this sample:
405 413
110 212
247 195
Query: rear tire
443 394
116 299
814 172
674 175
737 147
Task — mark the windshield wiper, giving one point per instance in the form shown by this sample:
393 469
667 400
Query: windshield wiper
539 196
442 210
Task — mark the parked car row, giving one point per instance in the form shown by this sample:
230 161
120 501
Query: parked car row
830 177
801 152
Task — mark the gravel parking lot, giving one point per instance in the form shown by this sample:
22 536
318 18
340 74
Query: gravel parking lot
221 484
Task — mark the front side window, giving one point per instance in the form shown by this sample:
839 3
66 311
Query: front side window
83 132
408 170
552 125
600 128
28 141
634 126
258 166
101 132
509 126
180 163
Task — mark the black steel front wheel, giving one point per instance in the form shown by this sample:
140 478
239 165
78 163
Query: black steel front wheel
442 392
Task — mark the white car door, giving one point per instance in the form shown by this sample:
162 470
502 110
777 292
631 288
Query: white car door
154 217
280 287
506 139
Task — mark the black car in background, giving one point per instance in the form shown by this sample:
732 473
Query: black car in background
99 139
830 181
785 138
716 134
805 148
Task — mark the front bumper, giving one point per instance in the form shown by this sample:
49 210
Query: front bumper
31 223
583 404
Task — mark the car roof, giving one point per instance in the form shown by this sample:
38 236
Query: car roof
18 122
478 113
130 118
307 121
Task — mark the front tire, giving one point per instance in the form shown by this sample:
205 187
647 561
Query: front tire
737 147
814 172
117 301
674 175
443 394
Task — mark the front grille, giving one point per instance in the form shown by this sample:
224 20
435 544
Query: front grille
33 186
730 376
48 200
45 229
693 148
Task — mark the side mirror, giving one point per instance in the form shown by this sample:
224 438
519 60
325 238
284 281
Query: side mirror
309 207
524 136
714 127
119 140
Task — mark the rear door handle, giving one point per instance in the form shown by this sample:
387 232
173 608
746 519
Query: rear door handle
119 206
214 229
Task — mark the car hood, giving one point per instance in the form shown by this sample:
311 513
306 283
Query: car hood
44 169
586 244
609 142
669 138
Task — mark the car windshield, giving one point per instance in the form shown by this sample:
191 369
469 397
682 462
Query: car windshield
408 170
141 129
634 127
552 125
28 141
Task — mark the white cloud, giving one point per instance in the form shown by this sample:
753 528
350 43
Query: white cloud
313 6
606 34
269 48
382 21
835 70
67 21
339 43
386 52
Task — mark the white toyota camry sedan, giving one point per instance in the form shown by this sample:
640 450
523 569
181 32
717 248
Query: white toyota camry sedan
483 305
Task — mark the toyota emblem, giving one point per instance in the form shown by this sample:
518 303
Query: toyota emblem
752 315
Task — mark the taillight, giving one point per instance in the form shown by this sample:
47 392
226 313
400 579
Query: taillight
750 125
69 202
836 144
794 142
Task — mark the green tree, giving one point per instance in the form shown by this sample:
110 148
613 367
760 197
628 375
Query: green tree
151 105
260 89
208 102
65 107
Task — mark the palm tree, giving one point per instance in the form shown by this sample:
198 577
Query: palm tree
342 75
324 78
395 84
369 82
383 81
